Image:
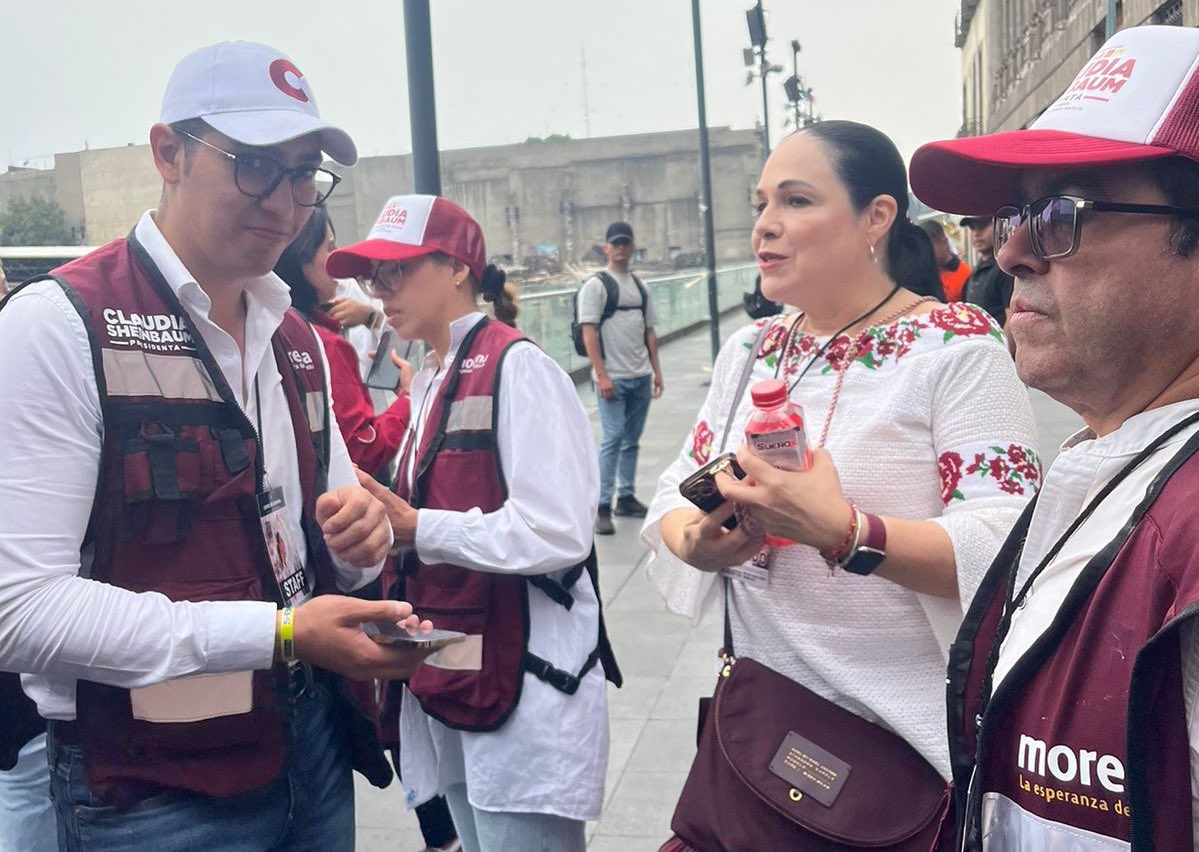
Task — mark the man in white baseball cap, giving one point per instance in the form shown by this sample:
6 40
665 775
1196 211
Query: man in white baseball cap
1074 683
167 415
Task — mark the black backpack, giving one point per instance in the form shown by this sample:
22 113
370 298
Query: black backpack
613 291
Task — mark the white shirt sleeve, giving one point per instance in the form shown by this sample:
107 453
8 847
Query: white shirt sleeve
341 474
593 295
548 458
687 590
52 621
979 524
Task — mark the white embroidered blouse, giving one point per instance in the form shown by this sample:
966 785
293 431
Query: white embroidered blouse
932 423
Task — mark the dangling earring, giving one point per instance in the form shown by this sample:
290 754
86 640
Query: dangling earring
873 255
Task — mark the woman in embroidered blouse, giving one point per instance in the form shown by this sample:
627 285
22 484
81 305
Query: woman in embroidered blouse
929 434
373 440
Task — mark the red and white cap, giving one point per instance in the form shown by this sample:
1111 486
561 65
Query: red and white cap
1136 99
253 94
411 226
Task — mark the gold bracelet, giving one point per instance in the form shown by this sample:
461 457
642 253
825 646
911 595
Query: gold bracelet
849 543
287 635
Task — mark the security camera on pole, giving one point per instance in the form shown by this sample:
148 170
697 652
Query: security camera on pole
798 91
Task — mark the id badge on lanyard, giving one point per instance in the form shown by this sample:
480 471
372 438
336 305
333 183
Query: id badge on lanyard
279 533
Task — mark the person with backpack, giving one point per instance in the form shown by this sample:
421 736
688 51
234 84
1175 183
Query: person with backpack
615 320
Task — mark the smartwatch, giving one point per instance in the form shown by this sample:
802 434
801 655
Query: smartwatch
868 555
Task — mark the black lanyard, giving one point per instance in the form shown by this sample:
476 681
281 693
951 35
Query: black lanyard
824 347
1012 603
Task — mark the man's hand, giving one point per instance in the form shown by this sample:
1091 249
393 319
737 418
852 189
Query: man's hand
349 312
328 633
354 525
400 514
605 386
659 385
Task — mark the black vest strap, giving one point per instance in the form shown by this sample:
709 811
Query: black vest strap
557 678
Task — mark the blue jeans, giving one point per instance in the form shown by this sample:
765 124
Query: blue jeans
492 831
310 808
621 422
26 817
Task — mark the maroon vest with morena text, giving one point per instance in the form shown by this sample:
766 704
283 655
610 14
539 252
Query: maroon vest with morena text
176 513
1086 737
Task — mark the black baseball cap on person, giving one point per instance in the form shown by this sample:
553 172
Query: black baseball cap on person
618 231
974 221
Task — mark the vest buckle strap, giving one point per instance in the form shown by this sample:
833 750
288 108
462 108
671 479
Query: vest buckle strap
555 591
560 680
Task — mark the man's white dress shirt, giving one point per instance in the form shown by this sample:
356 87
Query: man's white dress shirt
60 627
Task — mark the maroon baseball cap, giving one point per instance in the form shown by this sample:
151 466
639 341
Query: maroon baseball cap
411 226
1136 99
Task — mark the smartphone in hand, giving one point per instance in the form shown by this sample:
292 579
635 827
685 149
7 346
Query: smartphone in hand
388 633
700 487
384 374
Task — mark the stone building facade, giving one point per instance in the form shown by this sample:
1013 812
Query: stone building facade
1019 55
549 200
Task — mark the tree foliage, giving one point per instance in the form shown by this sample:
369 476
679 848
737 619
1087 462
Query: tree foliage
34 221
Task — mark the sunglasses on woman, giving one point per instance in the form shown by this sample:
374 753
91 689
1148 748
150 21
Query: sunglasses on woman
1055 221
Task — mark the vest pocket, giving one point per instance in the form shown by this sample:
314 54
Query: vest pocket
173 474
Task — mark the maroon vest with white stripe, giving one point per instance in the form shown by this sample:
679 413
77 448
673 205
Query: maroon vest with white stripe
458 468
176 513
1086 737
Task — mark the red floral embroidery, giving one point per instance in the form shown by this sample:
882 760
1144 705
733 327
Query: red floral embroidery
961 321
1015 469
774 340
701 442
950 465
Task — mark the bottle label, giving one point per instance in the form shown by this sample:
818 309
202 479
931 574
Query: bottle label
786 449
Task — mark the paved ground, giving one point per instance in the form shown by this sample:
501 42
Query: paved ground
668 664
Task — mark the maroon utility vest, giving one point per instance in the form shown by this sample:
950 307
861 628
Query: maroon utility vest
458 468
176 513
1086 736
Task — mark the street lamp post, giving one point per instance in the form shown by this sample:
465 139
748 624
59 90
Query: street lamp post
705 173
795 72
422 110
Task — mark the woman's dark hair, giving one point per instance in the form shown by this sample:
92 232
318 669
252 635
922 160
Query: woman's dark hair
298 255
502 295
869 165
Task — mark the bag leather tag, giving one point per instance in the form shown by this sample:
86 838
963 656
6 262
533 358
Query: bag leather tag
810 769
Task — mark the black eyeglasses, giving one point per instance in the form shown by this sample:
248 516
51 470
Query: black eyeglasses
1055 221
258 176
385 276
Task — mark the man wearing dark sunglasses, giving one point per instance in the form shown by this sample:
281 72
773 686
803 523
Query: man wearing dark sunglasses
167 420
1074 682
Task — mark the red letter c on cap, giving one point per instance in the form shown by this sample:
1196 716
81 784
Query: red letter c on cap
279 69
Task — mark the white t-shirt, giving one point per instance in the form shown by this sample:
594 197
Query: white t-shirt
622 334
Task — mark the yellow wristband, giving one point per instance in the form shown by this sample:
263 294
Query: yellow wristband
287 635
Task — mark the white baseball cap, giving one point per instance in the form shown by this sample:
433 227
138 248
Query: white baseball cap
253 94
1136 99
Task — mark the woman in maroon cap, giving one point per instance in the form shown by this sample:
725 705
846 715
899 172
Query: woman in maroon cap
497 490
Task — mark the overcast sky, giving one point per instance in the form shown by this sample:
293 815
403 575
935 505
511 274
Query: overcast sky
80 73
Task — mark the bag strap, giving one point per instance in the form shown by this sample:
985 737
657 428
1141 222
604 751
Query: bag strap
742 384
611 295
